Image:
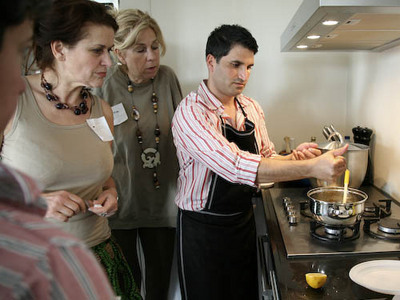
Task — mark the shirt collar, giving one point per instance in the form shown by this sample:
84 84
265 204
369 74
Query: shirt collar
212 102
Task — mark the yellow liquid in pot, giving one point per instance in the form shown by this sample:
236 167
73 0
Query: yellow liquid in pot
336 196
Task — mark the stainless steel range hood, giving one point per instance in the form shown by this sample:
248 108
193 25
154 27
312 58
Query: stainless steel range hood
372 25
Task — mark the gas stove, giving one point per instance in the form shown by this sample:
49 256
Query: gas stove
377 232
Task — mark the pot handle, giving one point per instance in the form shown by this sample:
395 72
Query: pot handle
338 213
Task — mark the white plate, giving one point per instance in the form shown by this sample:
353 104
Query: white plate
382 276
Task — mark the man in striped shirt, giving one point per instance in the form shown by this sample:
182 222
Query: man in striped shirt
224 151
37 259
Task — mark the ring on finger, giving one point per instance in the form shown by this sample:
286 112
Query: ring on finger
104 214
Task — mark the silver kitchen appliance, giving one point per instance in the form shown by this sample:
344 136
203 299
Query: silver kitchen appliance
323 25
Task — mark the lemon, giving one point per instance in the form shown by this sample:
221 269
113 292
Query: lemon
316 280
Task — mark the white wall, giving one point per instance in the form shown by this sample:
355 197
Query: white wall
299 92
374 101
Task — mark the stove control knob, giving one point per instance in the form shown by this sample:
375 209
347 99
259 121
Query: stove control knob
292 219
289 208
286 200
288 205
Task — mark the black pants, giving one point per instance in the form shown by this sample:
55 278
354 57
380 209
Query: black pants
217 256
158 249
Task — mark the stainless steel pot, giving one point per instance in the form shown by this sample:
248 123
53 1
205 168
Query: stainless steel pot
327 207
357 162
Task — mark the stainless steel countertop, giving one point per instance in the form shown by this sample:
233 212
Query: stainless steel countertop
300 244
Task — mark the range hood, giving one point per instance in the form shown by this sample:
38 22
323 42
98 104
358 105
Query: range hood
370 25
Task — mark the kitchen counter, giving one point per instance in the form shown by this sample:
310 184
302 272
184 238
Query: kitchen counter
290 272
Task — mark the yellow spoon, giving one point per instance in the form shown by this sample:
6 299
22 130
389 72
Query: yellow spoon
346 184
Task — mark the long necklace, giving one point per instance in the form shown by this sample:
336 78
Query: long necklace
150 156
77 109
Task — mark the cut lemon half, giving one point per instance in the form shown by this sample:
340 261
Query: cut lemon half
316 280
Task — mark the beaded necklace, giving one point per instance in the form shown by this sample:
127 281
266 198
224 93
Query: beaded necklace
77 109
150 156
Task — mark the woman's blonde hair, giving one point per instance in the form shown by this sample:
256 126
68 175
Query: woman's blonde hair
131 22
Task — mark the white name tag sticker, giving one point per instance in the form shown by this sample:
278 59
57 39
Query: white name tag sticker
100 127
119 113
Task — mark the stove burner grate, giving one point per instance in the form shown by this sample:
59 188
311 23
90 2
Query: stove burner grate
334 234
387 229
378 211
389 225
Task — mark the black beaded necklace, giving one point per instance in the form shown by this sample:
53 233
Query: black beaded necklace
150 156
77 109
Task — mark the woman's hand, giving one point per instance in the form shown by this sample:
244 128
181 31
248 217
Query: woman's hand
62 205
106 204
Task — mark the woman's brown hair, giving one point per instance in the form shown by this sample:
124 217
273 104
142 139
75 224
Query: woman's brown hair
65 22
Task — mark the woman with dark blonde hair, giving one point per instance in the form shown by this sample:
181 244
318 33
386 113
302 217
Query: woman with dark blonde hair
61 133
143 95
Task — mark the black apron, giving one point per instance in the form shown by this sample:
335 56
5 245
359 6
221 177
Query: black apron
217 246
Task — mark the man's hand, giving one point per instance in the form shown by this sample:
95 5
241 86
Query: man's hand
330 165
306 151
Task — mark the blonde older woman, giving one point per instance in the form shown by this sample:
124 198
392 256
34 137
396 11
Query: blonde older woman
143 95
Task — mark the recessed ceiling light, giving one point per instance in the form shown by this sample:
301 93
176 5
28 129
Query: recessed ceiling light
313 37
301 46
330 22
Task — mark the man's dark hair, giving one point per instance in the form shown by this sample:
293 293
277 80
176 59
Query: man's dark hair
223 38
14 13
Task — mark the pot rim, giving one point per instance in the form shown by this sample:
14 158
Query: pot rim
337 188
353 147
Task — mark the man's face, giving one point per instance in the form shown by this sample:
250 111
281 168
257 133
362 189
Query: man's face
15 41
229 76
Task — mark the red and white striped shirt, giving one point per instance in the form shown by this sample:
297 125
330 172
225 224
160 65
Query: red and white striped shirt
37 259
203 150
